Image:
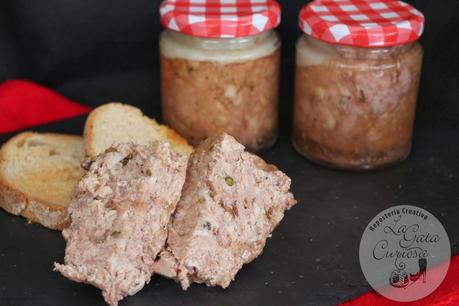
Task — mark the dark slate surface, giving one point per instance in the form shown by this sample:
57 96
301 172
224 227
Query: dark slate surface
106 51
312 257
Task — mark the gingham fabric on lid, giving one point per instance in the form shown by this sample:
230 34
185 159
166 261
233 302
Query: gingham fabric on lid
220 18
362 23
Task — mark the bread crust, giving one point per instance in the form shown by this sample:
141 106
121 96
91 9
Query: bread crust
174 137
17 203
89 130
88 133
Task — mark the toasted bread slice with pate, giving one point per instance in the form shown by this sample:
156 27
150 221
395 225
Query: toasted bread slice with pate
39 174
231 202
115 123
120 215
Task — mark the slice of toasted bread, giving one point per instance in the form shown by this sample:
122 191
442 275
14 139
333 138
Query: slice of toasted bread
39 174
231 202
115 123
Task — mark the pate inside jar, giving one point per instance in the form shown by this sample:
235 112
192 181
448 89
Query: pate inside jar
219 84
354 106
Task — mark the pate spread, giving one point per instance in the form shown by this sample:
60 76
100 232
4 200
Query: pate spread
225 89
119 217
354 108
231 202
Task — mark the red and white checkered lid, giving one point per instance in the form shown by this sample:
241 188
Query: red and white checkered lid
362 23
220 18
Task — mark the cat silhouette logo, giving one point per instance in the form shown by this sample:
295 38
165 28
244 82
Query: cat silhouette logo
404 253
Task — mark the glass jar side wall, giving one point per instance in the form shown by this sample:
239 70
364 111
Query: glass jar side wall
212 93
354 107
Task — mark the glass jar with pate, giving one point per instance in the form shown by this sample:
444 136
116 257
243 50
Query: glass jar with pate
220 69
357 74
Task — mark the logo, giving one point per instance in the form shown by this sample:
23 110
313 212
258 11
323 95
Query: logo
404 253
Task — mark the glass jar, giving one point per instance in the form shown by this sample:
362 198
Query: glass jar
220 84
354 106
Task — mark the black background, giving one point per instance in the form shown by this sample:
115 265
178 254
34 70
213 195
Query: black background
100 51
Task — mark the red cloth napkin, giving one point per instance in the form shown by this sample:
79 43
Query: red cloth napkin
446 294
24 104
